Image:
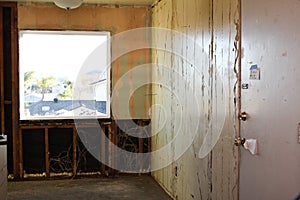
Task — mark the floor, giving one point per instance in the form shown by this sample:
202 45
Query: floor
123 187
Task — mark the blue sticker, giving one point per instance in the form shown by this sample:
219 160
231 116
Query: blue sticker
253 67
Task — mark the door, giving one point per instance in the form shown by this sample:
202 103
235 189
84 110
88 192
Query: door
271 68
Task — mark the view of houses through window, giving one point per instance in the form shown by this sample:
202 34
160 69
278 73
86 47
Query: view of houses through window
54 64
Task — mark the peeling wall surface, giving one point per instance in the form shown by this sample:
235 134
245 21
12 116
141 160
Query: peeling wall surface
118 20
195 98
270 39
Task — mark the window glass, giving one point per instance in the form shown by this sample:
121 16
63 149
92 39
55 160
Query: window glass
64 74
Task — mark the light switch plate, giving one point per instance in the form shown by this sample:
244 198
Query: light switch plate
255 74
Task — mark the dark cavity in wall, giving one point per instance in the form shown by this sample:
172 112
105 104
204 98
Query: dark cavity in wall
86 162
61 150
33 151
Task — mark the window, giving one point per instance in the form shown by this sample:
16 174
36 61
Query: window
64 74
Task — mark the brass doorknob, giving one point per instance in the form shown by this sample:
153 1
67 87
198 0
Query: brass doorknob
243 116
239 141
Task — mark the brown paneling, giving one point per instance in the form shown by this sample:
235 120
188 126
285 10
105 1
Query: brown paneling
103 18
86 17
31 16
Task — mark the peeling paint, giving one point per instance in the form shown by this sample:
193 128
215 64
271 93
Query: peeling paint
215 176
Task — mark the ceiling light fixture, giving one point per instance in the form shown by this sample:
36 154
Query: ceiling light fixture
68 4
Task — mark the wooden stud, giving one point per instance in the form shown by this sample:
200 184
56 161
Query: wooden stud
109 148
110 128
149 144
47 152
149 137
116 144
15 88
74 151
103 148
17 148
112 154
21 154
2 114
14 67
141 145
112 131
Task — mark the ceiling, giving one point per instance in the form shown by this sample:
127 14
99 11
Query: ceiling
118 2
